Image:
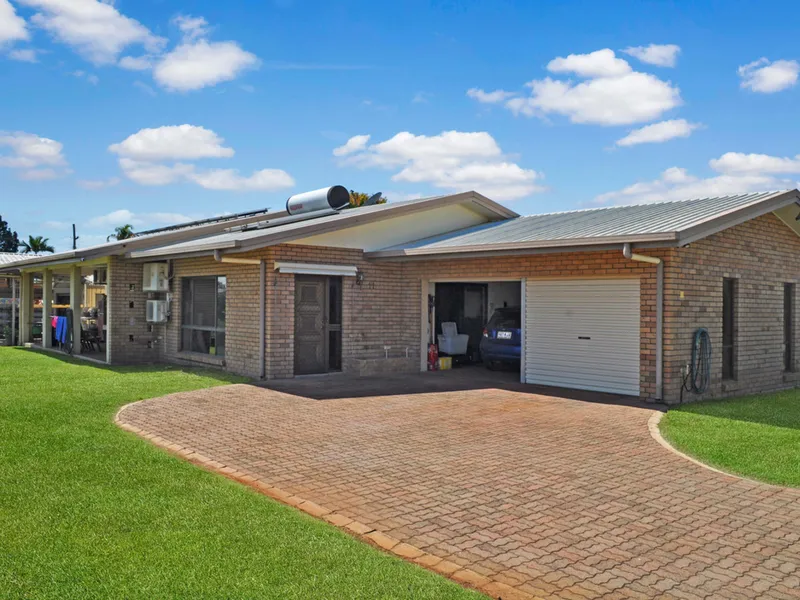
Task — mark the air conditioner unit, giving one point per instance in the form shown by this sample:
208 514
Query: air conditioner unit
157 311
155 277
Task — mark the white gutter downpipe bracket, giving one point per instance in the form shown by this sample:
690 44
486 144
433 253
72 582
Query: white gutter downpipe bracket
628 253
262 301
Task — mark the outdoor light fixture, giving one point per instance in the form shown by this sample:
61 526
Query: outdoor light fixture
359 277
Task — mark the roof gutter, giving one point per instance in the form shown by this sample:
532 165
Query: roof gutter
262 302
628 253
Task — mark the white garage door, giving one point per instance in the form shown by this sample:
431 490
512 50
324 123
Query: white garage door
583 333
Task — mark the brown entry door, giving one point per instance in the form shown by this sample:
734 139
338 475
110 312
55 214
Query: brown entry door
317 324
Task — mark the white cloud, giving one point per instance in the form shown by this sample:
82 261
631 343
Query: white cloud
96 30
12 26
198 64
148 173
136 63
38 158
600 63
659 132
98 184
229 179
738 162
632 98
421 98
175 142
737 173
148 158
354 144
612 93
24 54
661 55
769 77
191 27
452 160
494 97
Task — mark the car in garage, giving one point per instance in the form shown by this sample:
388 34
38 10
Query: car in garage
502 338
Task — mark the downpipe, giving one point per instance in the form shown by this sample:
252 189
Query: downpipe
628 253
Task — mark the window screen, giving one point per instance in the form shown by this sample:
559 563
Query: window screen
728 328
203 315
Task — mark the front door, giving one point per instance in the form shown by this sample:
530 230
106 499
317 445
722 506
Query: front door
317 324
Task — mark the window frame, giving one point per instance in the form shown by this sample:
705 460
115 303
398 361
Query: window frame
729 305
788 326
187 292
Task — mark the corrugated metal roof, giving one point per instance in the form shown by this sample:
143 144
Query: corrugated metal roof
652 221
9 257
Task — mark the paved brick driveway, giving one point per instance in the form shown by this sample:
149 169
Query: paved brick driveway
556 497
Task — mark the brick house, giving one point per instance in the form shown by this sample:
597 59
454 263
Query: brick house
611 298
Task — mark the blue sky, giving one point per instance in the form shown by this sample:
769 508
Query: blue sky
152 111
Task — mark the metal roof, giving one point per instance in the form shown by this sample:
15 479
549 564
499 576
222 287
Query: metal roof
677 221
143 240
9 257
285 229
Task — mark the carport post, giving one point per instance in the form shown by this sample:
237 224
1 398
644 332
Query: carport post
75 293
25 307
47 303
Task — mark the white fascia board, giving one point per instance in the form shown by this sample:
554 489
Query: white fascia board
314 269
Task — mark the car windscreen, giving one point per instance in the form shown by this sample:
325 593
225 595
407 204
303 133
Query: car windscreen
505 319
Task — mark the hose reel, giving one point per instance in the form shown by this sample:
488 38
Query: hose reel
698 376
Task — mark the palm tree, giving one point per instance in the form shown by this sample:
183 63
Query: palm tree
36 245
358 198
123 232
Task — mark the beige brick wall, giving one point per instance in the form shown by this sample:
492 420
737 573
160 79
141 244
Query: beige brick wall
131 339
761 254
386 309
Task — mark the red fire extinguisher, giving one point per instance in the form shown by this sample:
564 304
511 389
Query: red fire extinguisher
433 357
433 350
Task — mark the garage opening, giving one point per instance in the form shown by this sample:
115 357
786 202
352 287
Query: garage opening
478 325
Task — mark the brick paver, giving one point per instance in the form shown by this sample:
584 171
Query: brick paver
497 487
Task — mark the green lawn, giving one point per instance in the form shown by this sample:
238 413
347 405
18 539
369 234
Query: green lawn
754 436
90 511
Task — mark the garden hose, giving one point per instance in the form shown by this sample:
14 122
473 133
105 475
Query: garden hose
698 376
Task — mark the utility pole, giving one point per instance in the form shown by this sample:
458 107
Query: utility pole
74 238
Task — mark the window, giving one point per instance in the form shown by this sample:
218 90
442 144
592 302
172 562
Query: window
728 329
203 315
788 326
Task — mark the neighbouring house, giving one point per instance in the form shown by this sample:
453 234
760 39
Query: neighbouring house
610 298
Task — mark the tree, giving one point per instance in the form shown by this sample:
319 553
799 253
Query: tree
358 198
37 245
9 240
123 232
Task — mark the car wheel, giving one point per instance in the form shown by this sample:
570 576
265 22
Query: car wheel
490 365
